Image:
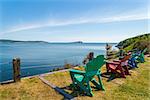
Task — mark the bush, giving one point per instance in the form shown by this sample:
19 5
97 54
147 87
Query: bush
67 66
141 45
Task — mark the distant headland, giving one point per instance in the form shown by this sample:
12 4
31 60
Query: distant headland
19 41
12 41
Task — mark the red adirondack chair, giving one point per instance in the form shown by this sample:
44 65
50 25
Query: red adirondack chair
118 66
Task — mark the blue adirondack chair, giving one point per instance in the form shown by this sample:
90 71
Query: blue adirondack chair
81 79
140 55
137 57
132 63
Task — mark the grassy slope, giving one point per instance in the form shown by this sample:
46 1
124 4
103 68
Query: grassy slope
134 87
139 42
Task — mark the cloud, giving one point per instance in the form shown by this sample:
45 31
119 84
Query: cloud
81 20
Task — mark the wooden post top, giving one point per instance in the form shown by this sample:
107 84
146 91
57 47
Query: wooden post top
16 59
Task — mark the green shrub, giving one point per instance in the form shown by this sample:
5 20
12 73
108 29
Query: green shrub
67 66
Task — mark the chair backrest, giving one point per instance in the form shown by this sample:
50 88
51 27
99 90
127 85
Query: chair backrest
125 58
95 64
144 50
141 54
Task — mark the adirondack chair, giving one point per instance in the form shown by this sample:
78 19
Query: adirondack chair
81 79
140 57
132 63
119 66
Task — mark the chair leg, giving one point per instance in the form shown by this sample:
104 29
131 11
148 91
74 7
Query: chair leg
126 70
89 90
96 84
122 72
112 76
73 81
100 81
142 60
107 68
134 64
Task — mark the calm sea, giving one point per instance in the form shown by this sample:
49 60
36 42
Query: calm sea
37 58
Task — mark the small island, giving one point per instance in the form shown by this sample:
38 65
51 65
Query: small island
18 41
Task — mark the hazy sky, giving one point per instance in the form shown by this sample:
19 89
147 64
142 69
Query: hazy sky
73 20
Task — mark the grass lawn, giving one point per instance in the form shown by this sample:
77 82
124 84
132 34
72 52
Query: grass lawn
134 87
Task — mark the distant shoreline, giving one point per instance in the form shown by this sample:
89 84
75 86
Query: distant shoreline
76 42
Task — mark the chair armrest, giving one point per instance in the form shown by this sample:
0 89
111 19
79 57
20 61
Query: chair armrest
113 63
77 71
117 61
84 66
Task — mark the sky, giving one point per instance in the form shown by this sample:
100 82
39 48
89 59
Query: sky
73 20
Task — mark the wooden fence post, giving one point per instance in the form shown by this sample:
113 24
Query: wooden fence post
16 69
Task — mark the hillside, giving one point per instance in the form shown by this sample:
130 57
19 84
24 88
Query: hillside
139 42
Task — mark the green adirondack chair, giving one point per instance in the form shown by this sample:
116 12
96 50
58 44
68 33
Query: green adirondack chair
141 56
81 79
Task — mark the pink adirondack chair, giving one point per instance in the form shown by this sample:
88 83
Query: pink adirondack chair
119 66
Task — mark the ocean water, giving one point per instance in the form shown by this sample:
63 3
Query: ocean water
37 58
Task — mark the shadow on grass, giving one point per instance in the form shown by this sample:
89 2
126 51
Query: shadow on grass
110 76
77 92
74 93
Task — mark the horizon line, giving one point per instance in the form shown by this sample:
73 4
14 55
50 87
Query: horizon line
54 41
